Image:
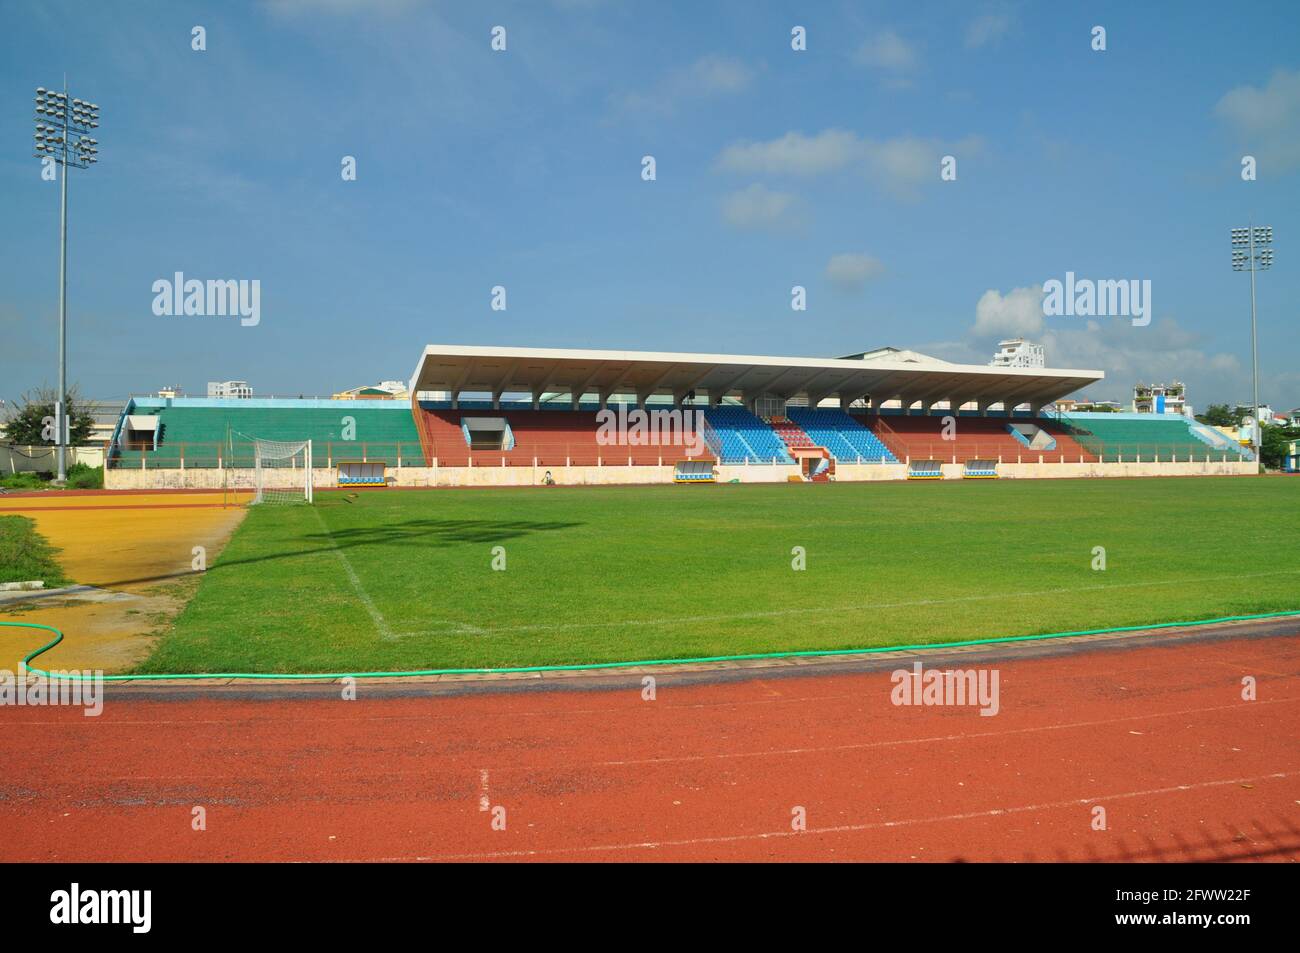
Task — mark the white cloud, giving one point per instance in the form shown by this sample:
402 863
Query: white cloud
887 51
898 165
1019 313
904 163
1161 352
989 27
850 271
794 153
711 75
1266 119
758 207
716 74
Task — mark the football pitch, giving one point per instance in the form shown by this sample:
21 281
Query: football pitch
402 580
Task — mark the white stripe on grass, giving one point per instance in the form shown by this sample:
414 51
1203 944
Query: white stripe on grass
385 632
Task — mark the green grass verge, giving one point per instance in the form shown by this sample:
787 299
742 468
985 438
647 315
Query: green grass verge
80 477
25 554
24 481
612 573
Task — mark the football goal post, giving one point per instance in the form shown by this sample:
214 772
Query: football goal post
281 470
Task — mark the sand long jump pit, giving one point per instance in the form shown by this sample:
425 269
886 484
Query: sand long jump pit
133 559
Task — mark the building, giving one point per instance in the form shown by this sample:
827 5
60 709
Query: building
384 390
1069 406
171 390
104 415
1017 352
1161 399
229 389
1265 414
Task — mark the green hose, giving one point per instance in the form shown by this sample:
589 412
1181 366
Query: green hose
58 637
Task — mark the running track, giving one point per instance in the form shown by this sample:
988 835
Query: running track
1158 735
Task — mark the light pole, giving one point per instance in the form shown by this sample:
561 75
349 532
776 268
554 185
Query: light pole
63 127
1246 257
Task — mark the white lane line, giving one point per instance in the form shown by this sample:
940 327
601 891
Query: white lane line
960 736
843 828
776 752
457 628
483 802
380 624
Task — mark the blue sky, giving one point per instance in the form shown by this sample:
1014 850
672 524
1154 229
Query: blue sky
774 168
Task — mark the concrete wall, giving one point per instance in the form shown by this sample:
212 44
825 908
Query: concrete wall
863 472
530 476
1076 470
324 478
44 459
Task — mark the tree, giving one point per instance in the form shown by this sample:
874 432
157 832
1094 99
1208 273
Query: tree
1218 415
30 421
1273 442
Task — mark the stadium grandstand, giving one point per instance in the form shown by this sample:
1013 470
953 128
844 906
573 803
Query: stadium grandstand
1118 437
199 432
517 416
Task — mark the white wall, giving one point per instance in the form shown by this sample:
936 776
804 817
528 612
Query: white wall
37 459
325 478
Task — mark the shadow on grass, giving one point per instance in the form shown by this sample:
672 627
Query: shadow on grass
442 532
423 533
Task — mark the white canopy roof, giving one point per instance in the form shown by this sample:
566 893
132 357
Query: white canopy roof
881 375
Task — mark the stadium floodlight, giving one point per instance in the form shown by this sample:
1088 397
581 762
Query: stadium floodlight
61 127
1251 252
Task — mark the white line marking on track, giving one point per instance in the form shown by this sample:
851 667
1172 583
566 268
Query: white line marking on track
483 802
961 736
889 742
844 828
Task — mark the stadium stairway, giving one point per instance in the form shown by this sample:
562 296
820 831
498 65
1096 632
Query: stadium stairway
847 439
791 434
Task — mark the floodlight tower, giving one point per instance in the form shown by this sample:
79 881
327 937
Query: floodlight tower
1252 251
63 134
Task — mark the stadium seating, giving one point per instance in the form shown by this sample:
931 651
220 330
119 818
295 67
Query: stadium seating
919 436
200 434
552 438
745 438
847 439
1167 437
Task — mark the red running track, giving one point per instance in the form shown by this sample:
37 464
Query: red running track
1159 736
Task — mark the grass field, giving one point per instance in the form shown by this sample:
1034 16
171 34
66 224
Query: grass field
26 555
403 579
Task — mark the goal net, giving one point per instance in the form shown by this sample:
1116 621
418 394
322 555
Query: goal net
280 471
